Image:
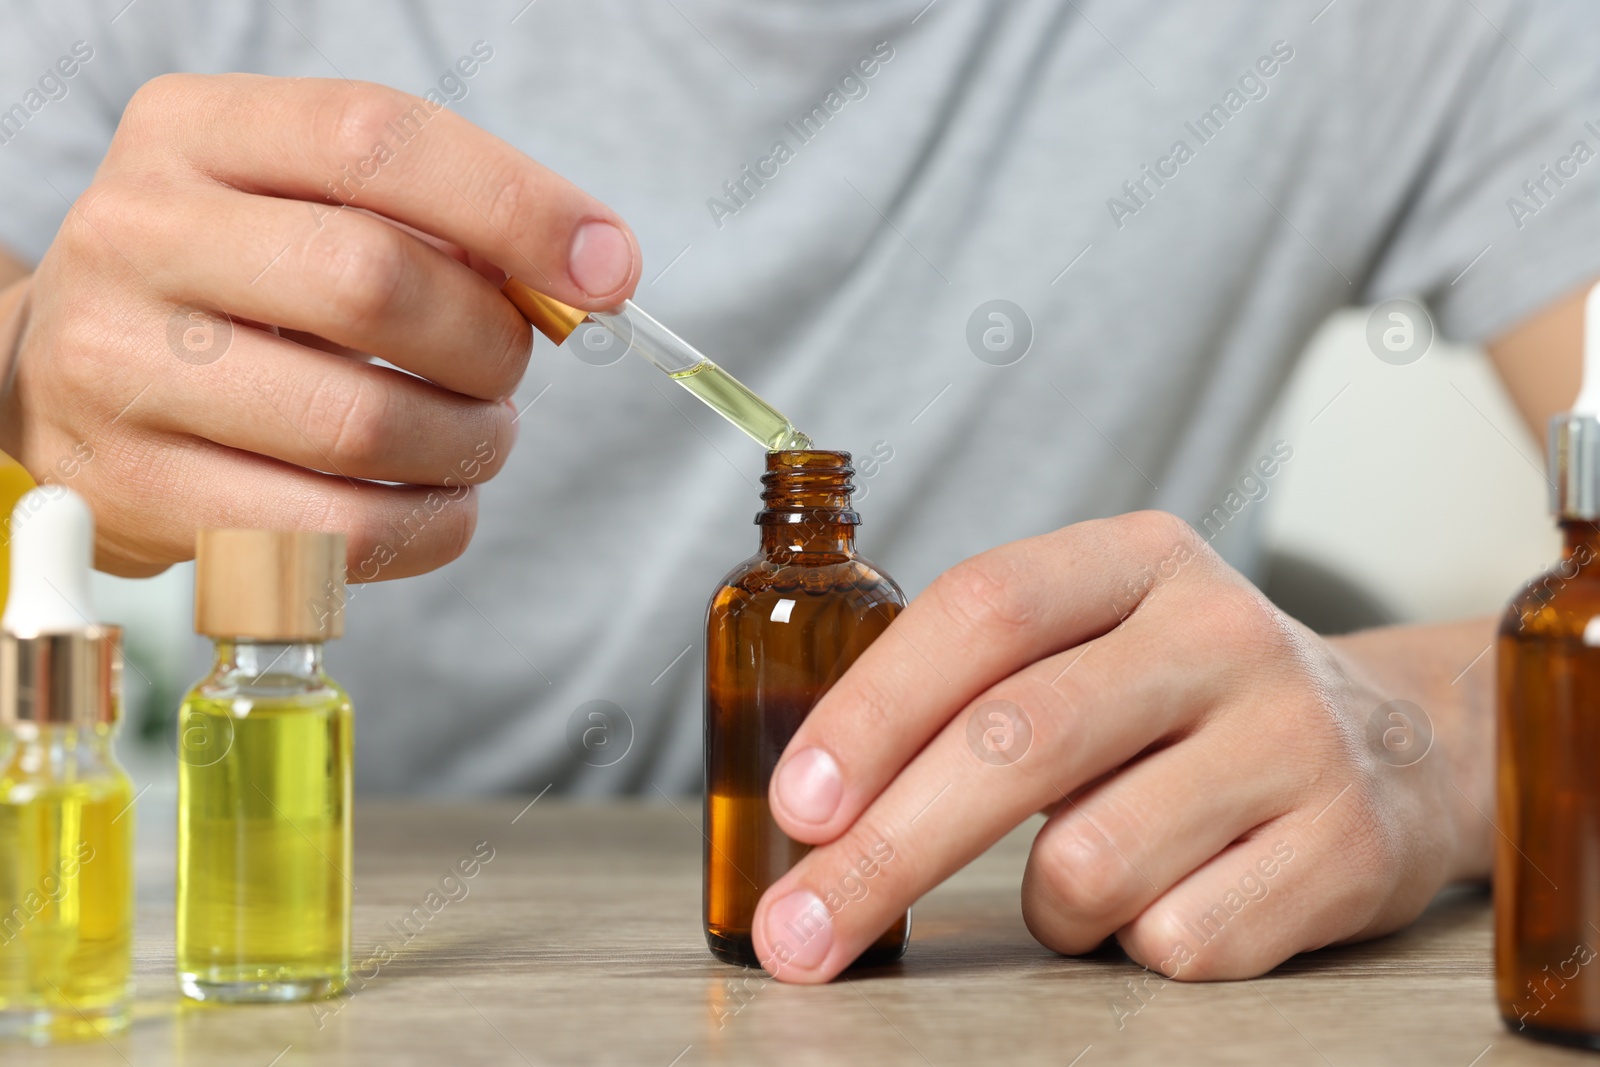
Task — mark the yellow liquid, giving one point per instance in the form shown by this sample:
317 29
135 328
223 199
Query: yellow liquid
264 846
14 485
731 399
66 906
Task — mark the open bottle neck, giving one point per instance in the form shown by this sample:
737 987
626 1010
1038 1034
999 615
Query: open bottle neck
58 751
806 493
256 662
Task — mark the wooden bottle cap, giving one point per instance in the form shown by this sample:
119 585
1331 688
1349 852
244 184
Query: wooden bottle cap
269 585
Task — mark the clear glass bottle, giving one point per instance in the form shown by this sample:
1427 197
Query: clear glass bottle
264 776
66 805
66 891
782 627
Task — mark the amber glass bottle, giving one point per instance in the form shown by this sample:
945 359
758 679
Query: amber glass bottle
782 627
1547 868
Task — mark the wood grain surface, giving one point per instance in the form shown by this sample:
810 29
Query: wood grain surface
580 943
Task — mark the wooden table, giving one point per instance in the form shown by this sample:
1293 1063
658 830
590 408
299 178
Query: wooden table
580 942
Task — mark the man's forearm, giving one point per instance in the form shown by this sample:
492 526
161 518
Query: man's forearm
1447 669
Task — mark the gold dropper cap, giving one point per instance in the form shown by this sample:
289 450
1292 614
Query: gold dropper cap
546 314
61 679
269 585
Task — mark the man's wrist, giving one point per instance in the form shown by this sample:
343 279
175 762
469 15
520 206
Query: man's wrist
1448 671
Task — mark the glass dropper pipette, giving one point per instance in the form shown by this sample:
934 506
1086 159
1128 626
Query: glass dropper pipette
671 355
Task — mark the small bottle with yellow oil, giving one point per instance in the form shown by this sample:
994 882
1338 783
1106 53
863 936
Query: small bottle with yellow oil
264 775
66 806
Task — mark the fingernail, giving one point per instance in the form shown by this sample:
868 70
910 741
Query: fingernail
601 258
799 931
809 786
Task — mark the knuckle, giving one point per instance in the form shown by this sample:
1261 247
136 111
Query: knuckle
1056 711
81 238
386 539
872 704
1082 875
430 529
112 209
503 372
354 119
871 716
1210 963
1242 619
1153 549
362 267
80 360
1156 535
512 195
338 512
115 222
495 448
84 364
486 458
1161 941
458 521
147 145
984 593
352 415
500 353
1035 717
1160 529
369 544
157 96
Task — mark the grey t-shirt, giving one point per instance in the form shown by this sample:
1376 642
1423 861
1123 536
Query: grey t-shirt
829 193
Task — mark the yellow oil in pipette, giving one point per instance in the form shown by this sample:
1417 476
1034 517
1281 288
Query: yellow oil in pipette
733 400
672 355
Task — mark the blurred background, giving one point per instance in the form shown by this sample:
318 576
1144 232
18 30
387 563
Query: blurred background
1393 466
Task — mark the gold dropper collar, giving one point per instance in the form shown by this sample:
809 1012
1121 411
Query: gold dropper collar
269 585
546 314
72 678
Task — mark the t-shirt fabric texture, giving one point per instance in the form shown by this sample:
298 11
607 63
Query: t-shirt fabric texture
829 195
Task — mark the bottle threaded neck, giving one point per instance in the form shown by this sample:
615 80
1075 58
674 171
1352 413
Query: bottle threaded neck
807 486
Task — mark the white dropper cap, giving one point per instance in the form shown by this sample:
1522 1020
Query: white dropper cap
52 551
1588 402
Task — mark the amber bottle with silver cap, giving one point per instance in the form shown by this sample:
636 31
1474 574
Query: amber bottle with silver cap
1547 865
264 775
66 806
